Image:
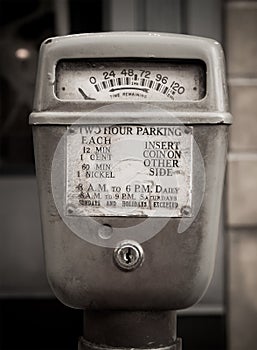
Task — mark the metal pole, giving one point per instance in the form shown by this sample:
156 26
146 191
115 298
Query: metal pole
62 17
130 329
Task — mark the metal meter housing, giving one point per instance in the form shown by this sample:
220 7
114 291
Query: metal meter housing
142 92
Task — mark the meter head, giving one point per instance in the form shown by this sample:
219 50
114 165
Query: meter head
130 136
172 71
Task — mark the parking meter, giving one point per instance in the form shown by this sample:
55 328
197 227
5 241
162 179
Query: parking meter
130 139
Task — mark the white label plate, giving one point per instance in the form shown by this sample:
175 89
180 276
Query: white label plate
129 170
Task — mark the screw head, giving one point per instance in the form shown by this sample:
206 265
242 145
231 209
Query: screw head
72 130
186 211
188 130
69 210
128 255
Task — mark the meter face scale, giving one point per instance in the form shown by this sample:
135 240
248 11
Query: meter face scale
130 80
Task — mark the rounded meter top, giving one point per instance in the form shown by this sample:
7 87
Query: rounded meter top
79 74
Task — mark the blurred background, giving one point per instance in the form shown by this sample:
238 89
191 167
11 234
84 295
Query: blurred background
30 316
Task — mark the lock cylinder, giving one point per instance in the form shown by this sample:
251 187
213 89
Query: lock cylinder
128 255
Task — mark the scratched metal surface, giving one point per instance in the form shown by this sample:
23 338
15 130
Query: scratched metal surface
183 262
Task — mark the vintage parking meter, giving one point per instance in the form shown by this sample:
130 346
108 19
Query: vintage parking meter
130 137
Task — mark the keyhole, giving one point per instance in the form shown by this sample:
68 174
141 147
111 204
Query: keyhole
128 256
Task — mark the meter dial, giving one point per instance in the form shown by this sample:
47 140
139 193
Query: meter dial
130 79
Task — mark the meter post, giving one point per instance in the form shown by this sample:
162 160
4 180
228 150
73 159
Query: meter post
130 150
130 329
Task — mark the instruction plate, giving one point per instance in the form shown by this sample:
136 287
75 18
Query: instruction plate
129 170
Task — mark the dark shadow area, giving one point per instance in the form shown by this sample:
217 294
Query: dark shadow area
49 325
202 332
